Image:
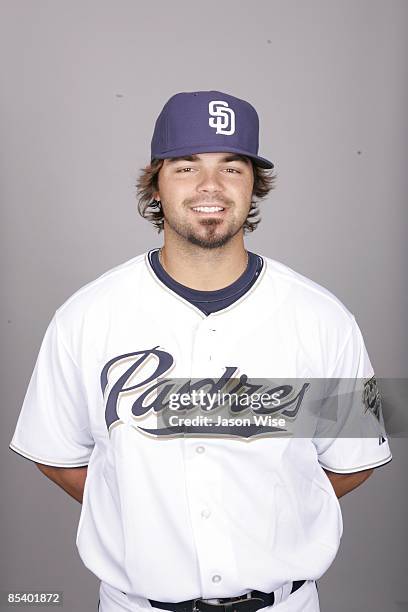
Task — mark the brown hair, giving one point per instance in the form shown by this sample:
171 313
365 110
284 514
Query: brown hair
150 209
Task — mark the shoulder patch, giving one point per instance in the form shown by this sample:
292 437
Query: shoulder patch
371 397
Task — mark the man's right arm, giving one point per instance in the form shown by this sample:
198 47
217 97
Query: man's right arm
72 480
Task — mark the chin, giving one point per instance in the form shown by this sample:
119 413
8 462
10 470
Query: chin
207 235
206 244
210 242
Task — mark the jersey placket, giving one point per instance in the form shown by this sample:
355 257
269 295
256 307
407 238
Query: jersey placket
204 351
204 479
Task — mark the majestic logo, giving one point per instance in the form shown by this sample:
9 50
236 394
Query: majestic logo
222 117
137 391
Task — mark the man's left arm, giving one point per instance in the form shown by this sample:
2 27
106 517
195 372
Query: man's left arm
344 483
350 436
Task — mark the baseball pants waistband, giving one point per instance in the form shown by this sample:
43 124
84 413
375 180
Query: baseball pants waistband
251 602
304 599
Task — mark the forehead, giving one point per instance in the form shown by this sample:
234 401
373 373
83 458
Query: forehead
210 158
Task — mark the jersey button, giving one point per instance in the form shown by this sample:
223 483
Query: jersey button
205 513
216 578
200 449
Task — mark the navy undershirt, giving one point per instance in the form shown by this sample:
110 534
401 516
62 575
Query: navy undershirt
210 301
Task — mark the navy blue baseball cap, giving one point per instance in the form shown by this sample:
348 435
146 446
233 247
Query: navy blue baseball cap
207 122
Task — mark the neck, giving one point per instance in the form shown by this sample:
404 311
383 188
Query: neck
204 269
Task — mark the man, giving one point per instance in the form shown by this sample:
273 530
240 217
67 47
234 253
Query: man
183 508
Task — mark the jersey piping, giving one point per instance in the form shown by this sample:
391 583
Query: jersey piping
361 468
50 462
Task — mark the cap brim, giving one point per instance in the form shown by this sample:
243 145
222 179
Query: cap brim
259 161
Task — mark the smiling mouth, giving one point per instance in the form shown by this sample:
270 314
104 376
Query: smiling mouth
208 209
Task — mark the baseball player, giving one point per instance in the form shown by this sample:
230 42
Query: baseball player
188 505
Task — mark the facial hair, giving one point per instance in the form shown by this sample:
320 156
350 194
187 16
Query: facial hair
211 240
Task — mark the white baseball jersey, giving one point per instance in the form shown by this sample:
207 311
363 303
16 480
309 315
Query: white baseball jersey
170 516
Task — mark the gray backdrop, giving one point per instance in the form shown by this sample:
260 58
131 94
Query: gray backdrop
82 84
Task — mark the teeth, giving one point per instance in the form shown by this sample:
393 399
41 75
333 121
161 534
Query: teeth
208 208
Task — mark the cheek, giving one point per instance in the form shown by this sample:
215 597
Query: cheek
245 187
169 197
173 191
244 194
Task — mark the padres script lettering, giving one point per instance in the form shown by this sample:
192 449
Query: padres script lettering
152 393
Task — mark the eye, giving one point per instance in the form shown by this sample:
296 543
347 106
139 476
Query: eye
183 169
233 170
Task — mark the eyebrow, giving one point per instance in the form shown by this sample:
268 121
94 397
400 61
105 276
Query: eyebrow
192 158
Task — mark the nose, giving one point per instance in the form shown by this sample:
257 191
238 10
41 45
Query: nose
209 181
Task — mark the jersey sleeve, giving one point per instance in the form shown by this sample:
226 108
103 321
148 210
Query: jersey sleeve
53 425
355 439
